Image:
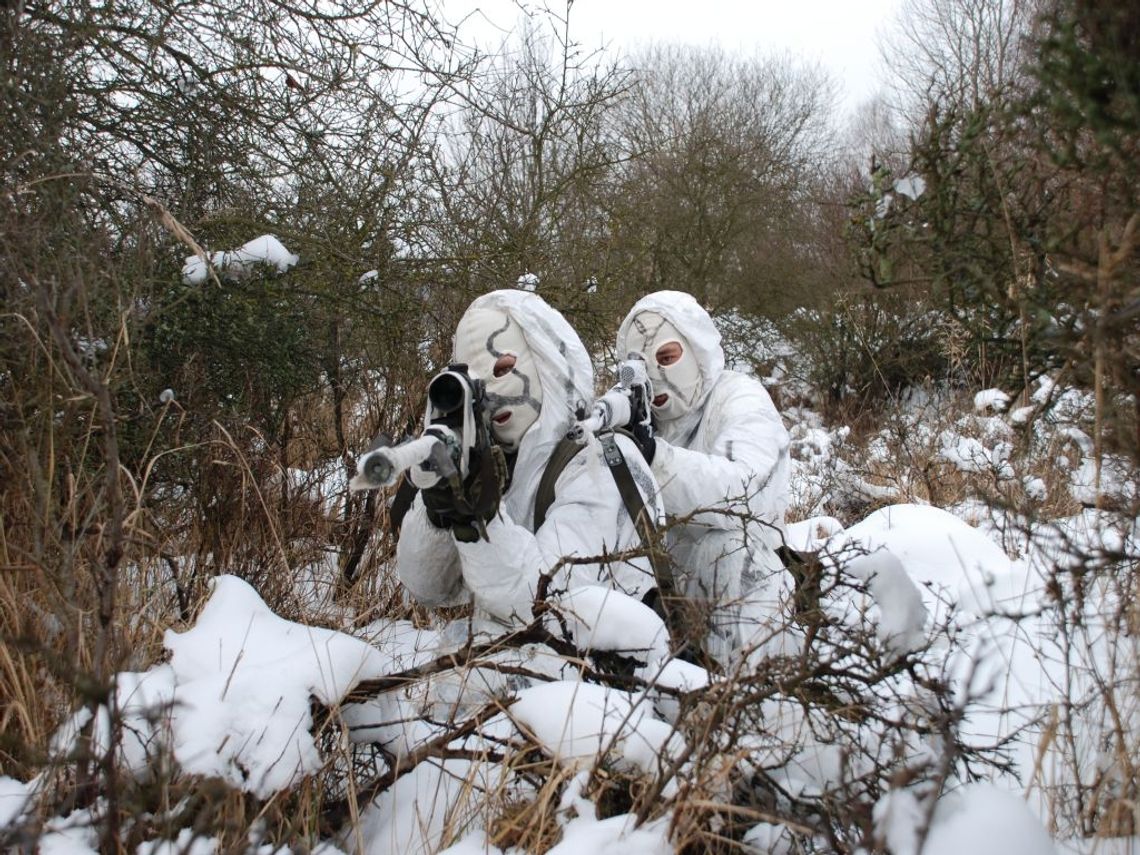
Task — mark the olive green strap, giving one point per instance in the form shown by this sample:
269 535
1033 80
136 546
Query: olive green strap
642 518
401 504
563 453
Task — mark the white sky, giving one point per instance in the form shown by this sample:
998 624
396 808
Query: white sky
838 34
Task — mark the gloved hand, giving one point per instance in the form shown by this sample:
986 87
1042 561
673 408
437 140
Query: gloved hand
440 502
646 441
466 510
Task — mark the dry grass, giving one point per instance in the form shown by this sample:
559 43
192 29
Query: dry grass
244 514
102 549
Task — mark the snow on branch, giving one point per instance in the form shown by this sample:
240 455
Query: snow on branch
237 264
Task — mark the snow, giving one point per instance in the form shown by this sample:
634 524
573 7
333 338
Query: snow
1034 488
810 534
327 485
768 838
978 819
991 400
412 817
983 820
475 843
572 722
243 678
144 701
72 835
963 590
1022 415
900 614
575 721
675 674
601 619
940 552
237 264
898 818
14 796
187 843
583 833
911 186
970 455
234 701
1111 479
614 836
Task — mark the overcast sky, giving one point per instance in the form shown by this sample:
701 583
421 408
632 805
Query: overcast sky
838 34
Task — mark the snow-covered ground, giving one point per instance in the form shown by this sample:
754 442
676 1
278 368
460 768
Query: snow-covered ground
969 594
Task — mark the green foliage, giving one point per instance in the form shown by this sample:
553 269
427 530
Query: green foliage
245 349
860 350
1088 83
1022 235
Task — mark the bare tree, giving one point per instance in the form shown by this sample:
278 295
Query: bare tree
957 52
875 132
717 198
521 164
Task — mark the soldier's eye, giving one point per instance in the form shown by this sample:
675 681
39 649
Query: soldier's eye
669 353
504 364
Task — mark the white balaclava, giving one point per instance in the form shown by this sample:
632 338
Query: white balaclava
674 318
552 376
496 351
670 362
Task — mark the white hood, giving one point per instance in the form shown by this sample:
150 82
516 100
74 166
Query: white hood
587 518
687 315
566 375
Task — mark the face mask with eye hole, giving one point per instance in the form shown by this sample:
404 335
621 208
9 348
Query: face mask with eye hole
671 364
496 351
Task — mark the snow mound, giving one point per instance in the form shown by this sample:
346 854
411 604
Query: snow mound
601 619
969 455
979 819
413 816
983 820
13 796
675 674
991 400
902 615
617 835
808 535
243 680
188 843
575 722
944 555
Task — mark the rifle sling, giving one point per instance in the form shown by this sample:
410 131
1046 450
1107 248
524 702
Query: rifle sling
401 504
563 453
642 519
566 450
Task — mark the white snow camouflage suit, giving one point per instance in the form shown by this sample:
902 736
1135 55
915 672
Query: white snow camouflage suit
729 451
587 518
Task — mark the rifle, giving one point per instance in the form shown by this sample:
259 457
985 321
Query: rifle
455 423
627 403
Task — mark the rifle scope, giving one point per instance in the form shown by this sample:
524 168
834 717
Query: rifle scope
447 391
